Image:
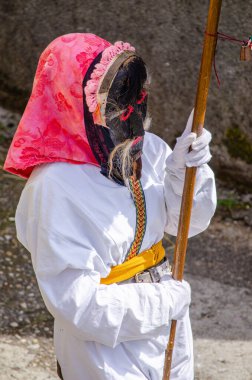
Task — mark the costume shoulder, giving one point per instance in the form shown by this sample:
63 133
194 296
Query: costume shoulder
54 187
155 153
57 172
154 144
55 208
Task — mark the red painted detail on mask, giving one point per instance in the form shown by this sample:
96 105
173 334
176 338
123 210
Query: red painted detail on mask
127 114
137 140
143 96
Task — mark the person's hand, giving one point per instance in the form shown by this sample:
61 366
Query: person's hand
200 153
180 294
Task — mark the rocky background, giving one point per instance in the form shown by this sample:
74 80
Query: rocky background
169 35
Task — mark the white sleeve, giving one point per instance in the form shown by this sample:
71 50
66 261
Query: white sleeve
67 258
204 200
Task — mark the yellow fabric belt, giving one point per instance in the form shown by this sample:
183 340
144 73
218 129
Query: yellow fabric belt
137 264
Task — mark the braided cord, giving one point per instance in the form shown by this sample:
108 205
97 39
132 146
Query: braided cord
141 217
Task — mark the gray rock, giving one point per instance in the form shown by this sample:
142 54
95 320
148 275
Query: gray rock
14 324
34 347
245 215
168 35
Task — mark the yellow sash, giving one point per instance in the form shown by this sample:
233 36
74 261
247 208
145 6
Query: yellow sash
139 263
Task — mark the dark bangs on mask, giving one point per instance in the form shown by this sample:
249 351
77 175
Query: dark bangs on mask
126 107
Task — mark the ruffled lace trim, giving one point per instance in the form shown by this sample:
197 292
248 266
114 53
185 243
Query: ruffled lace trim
108 55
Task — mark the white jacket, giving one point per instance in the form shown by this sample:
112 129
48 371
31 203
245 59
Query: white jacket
76 224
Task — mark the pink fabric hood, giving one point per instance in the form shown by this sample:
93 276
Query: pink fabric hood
52 126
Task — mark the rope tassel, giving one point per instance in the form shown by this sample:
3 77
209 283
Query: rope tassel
245 53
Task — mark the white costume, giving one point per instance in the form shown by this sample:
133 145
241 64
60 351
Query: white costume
77 224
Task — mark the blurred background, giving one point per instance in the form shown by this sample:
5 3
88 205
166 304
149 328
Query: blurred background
169 36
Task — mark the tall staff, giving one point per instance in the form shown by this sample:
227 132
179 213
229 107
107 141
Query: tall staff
188 191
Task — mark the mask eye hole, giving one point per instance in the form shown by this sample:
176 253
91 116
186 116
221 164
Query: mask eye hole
112 115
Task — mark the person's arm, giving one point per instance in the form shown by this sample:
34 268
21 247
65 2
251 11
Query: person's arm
69 256
204 201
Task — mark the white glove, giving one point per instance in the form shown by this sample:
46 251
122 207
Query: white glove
200 154
180 293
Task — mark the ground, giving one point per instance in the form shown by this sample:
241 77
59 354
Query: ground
218 267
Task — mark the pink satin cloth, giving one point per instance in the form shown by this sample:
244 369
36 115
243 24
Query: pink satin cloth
52 127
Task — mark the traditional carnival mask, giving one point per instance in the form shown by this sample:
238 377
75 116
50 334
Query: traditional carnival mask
117 101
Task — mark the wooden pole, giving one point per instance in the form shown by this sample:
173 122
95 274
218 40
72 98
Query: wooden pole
210 40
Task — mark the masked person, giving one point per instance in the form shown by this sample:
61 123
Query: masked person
100 195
